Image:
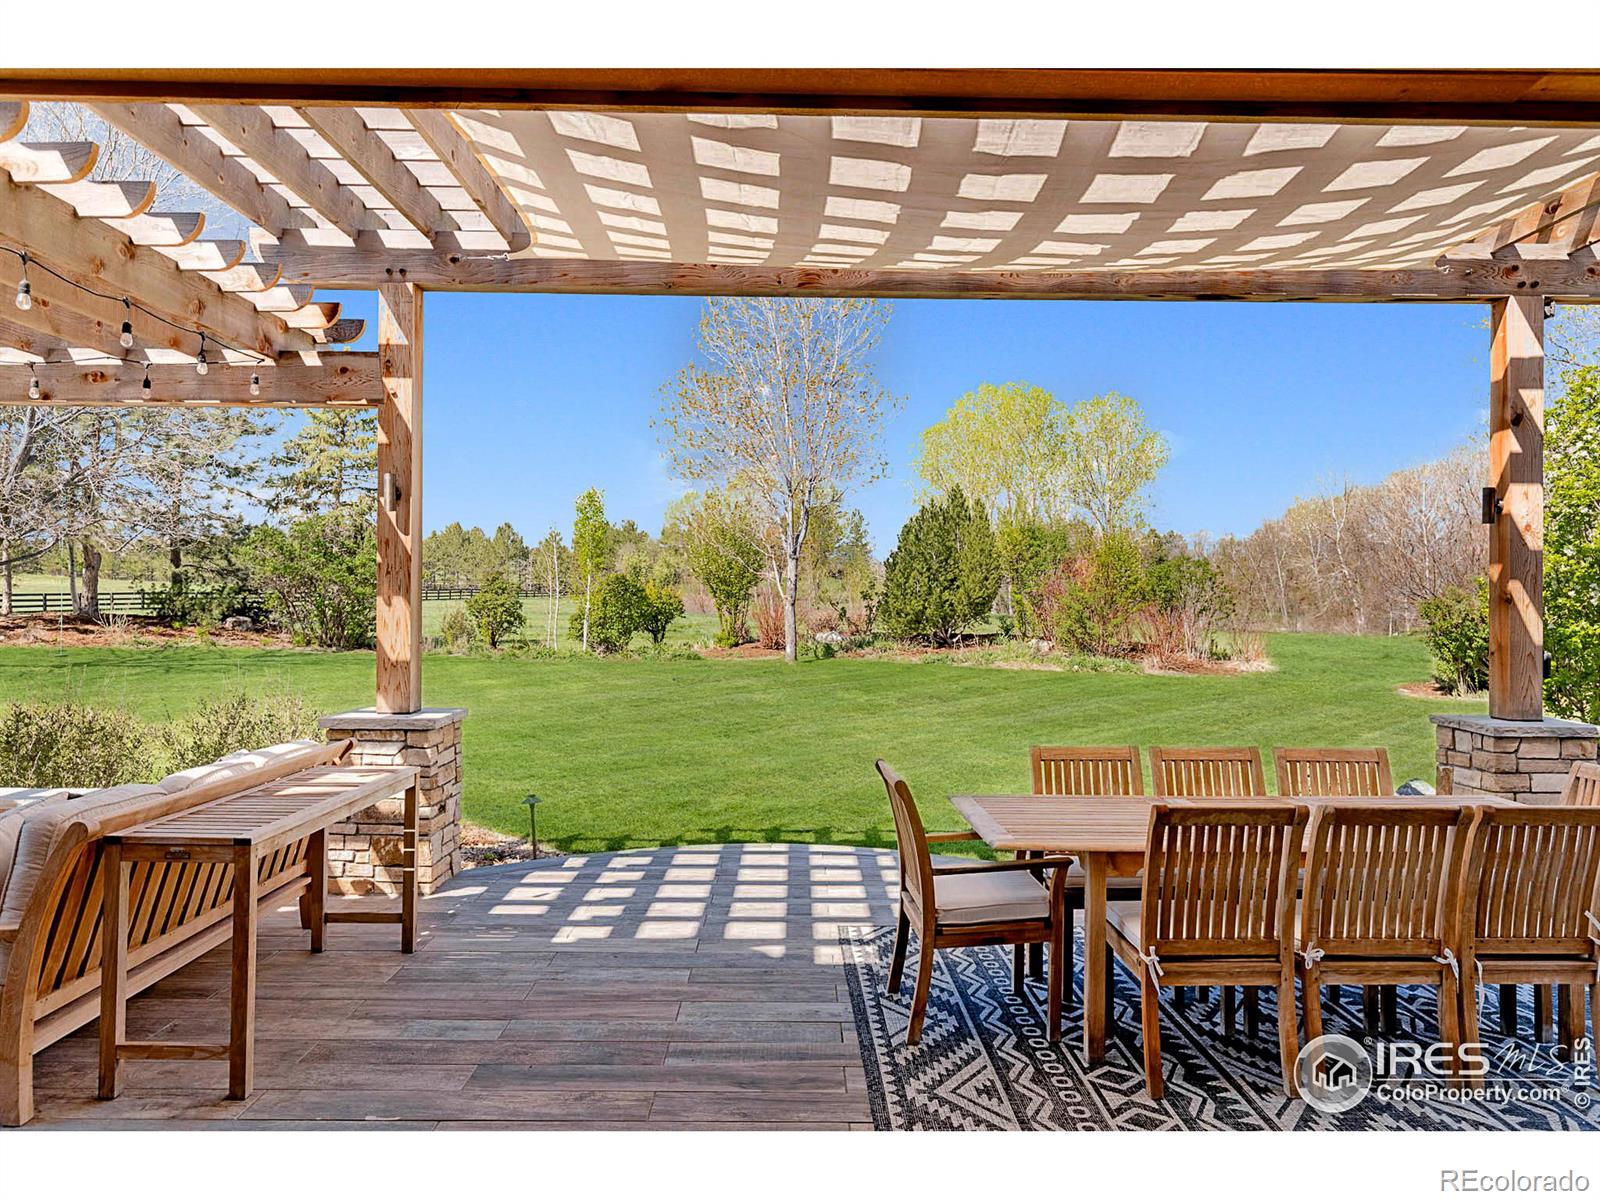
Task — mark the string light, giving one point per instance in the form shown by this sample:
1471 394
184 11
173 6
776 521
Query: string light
25 302
144 388
255 384
33 385
200 364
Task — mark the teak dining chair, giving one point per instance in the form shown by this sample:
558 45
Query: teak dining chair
1084 771
1328 772
1583 786
1379 904
1337 772
1212 771
1530 907
983 904
1209 771
1218 908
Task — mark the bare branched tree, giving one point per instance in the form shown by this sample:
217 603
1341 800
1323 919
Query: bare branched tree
783 407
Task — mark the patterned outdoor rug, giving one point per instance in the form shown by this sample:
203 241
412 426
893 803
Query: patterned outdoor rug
984 1061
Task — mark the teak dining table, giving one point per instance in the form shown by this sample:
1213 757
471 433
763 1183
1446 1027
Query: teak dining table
1107 835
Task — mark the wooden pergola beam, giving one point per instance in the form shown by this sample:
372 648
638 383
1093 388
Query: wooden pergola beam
94 255
66 316
29 340
187 149
399 628
1553 226
277 152
48 162
369 264
363 149
342 380
445 139
1516 539
1510 97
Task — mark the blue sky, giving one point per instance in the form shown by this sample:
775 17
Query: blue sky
530 399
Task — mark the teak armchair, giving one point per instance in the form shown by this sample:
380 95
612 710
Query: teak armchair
1530 907
1218 908
1379 904
1583 786
983 904
1085 771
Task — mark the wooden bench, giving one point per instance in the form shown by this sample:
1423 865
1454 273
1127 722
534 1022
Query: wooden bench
242 844
50 960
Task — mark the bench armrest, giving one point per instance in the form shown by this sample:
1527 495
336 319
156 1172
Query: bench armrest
963 835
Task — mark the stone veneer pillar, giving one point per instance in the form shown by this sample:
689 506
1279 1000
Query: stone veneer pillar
1526 761
364 854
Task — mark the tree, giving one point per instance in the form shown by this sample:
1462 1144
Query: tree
660 608
496 608
591 547
943 575
552 564
1113 458
1007 447
785 406
717 536
1457 621
320 577
1572 546
331 463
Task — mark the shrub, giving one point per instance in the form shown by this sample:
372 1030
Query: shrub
616 613
455 630
1458 636
496 609
233 721
724 553
943 574
768 614
179 605
68 744
1090 603
320 577
662 606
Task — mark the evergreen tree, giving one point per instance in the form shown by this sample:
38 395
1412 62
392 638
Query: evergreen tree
943 575
331 464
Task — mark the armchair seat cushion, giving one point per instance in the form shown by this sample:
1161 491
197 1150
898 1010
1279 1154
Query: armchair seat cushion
987 898
232 766
28 836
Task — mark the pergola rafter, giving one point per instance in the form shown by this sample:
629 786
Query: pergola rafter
363 149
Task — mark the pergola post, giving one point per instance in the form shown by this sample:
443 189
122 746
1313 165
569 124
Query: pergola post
399 682
1516 539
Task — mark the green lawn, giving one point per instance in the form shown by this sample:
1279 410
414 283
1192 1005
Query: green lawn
643 753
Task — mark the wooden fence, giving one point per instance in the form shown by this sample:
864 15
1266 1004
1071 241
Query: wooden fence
143 603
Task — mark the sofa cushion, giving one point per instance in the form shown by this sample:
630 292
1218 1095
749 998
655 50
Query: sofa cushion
233 765
32 833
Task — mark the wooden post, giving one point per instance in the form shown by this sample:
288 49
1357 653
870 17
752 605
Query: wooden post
1516 540
399 686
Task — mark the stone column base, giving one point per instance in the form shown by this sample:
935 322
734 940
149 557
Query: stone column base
1526 761
364 853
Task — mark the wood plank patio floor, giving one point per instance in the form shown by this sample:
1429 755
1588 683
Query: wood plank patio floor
677 988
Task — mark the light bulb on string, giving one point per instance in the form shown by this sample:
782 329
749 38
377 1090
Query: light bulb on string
200 364
33 386
24 289
144 388
127 325
255 384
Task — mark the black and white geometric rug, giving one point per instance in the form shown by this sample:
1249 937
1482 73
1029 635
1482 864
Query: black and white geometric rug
985 1063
